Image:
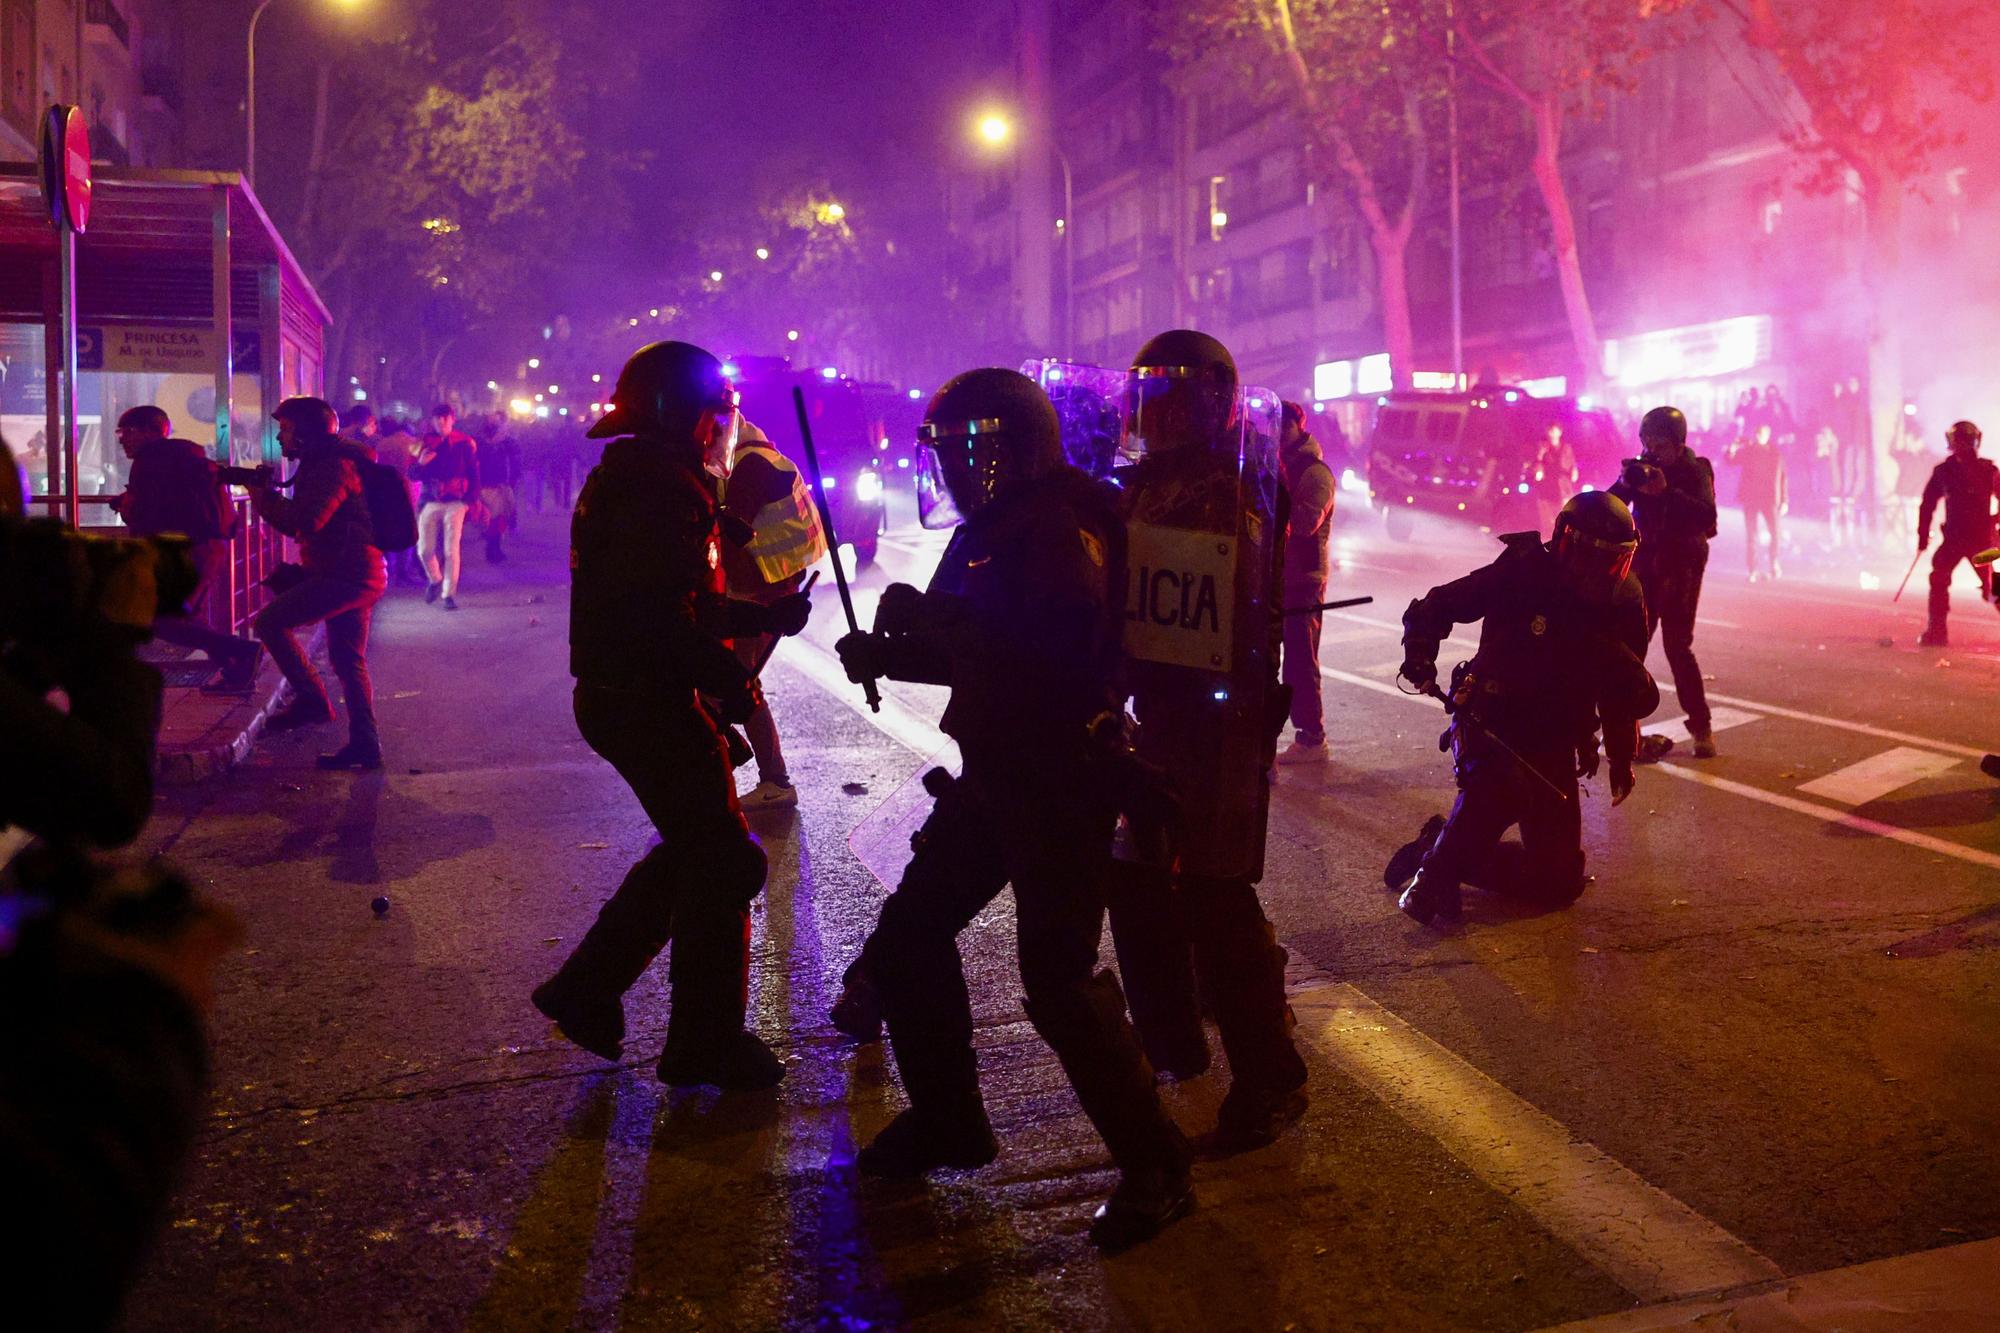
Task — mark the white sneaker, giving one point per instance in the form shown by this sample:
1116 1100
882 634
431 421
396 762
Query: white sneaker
770 796
1298 752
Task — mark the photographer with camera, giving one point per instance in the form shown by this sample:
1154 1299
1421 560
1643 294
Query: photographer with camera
175 487
343 577
103 975
1671 491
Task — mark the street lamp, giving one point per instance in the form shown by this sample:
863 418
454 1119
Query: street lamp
250 99
997 131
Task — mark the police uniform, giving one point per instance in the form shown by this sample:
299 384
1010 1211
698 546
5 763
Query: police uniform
1674 530
1550 670
1020 621
1967 485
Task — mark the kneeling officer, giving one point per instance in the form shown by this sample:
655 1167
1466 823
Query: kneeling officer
1021 621
1561 651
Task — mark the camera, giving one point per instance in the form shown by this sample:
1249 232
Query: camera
50 574
1638 473
246 476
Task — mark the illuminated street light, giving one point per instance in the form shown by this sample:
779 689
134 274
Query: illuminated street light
555 388
534 363
715 275
521 407
994 128
791 335
597 379
654 312
250 98
763 253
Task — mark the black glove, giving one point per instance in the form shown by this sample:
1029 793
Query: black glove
788 615
899 609
1587 758
735 704
1923 542
719 674
1421 674
861 654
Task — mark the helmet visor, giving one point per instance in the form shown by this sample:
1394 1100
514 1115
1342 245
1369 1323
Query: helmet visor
1594 562
717 430
962 465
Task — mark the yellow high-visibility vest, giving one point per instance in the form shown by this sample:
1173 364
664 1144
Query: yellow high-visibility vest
787 537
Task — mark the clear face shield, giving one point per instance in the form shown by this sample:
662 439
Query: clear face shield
1090 409
960 468
717 431
1171 409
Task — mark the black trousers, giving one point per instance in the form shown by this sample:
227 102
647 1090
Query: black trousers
1177 934
973 846
694 888
1950 550
1671 581
1546 866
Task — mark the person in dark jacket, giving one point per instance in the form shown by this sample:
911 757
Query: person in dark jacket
1021 621
327 514
1562 631
448 467
1967 485
175 487
1671 492
1310 483
649 635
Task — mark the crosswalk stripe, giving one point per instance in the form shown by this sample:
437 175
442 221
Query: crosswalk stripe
1878 775
1720 719
1831 815
1649 1242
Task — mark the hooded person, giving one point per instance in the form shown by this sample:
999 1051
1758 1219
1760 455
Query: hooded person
327 514
650 632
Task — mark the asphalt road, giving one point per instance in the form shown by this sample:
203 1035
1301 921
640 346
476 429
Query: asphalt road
1762 1045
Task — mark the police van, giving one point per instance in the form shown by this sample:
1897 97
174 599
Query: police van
849 457
1473 456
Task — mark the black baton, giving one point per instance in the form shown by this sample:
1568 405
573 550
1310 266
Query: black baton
873 695
1327 606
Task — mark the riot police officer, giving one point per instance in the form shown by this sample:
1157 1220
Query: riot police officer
649 632
1967 484
1021 621
1671 492
1204 491
1560 643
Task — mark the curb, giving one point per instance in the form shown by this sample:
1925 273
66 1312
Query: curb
187 766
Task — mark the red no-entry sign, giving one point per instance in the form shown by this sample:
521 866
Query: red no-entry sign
66 167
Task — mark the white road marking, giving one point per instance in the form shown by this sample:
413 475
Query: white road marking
895 721
1842 724
1649 1242
1720 719
1878 775
1830 815
1716 624
1368 683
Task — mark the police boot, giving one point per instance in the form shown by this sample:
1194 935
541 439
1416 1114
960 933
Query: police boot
916 1143
1251 1117
858 1011
1432 901
1144 1204
1653 748
739 1062
1411 854
1933 636
1990 766
597 1025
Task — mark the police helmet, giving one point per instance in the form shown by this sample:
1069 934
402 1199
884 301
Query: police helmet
1594 541
1664 423
985 432
310 417
1963 434
665 389
1182 391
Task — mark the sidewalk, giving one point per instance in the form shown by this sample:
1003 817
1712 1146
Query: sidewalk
205 735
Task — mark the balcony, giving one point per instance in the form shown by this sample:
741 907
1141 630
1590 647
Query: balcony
107 24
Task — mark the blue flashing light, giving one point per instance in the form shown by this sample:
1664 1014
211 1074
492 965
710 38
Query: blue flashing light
1055 373
916 395
830 372
731 369
829 483
1513 397
1221 696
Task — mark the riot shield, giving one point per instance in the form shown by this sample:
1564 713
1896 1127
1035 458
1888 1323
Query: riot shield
1090 404
1205 524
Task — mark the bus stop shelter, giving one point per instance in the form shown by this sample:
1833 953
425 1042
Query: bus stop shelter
188 299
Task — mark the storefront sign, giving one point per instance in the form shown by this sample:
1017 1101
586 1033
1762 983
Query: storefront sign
1697 352
160 350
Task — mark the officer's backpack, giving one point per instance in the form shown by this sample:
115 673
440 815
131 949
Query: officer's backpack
389 507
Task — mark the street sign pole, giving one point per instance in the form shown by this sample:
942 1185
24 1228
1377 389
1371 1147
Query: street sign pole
66 188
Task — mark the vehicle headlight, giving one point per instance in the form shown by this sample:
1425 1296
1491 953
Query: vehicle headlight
868 486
